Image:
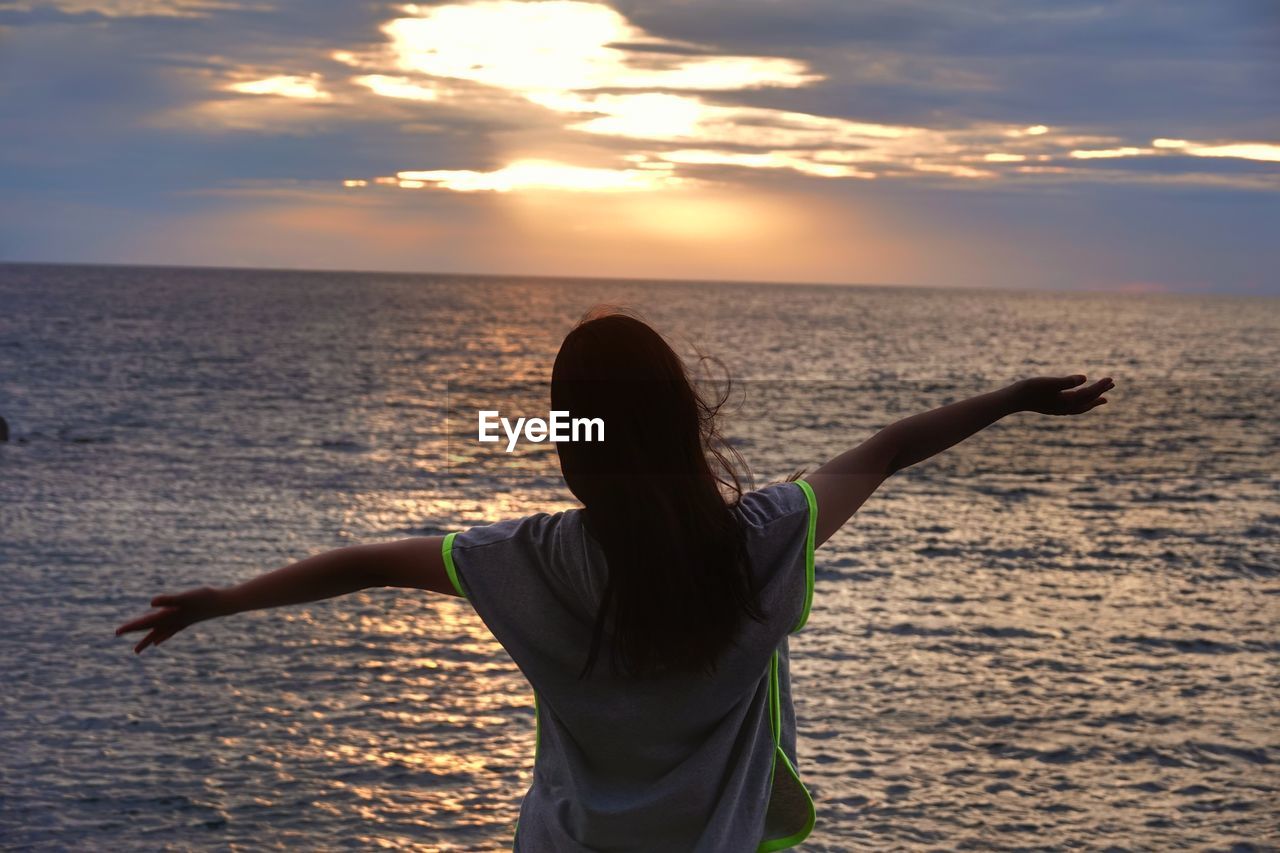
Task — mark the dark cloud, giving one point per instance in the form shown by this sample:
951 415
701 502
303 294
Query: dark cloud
1080 63
113 113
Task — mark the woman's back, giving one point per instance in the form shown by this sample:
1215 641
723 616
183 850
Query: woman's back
679 761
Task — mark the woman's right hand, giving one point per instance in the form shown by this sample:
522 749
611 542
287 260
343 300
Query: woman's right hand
1059 395
176 612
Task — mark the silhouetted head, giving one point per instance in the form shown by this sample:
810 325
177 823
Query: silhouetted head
616 368
657 494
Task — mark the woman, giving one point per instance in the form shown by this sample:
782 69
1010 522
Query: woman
652 623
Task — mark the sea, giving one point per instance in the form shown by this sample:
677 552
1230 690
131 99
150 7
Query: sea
1063 634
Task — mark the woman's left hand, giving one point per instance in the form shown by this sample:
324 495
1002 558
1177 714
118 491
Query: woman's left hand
176 612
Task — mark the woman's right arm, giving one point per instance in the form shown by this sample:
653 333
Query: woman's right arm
416 563
844 484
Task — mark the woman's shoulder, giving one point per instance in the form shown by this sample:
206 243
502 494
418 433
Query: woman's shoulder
536 528
776 502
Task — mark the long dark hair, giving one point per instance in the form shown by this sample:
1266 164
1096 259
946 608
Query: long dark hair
657 494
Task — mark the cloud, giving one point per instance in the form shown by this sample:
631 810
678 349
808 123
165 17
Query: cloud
610 78
135 8
566 111
398 87
758 160
1108 153
577 84
563 45
286 86
1263 151
534 174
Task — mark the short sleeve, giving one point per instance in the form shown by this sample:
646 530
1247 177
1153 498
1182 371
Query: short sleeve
493 549
501 569
781 524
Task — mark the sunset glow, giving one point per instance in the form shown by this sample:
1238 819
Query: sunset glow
533 174
562 45
286 86
1105 153
674 139
397 87
597 73
1264 151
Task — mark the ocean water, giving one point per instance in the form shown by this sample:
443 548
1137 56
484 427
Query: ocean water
1063 634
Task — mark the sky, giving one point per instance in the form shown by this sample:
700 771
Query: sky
1045 144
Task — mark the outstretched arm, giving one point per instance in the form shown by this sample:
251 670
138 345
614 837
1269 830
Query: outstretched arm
417 563
844 484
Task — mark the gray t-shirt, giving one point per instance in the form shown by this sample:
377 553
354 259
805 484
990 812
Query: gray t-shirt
681 762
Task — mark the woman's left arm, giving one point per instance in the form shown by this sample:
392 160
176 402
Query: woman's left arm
417 563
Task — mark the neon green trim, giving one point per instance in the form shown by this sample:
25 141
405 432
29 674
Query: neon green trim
809 545
446 548
775 723
800 834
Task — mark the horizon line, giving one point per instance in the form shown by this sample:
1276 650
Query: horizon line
644 280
